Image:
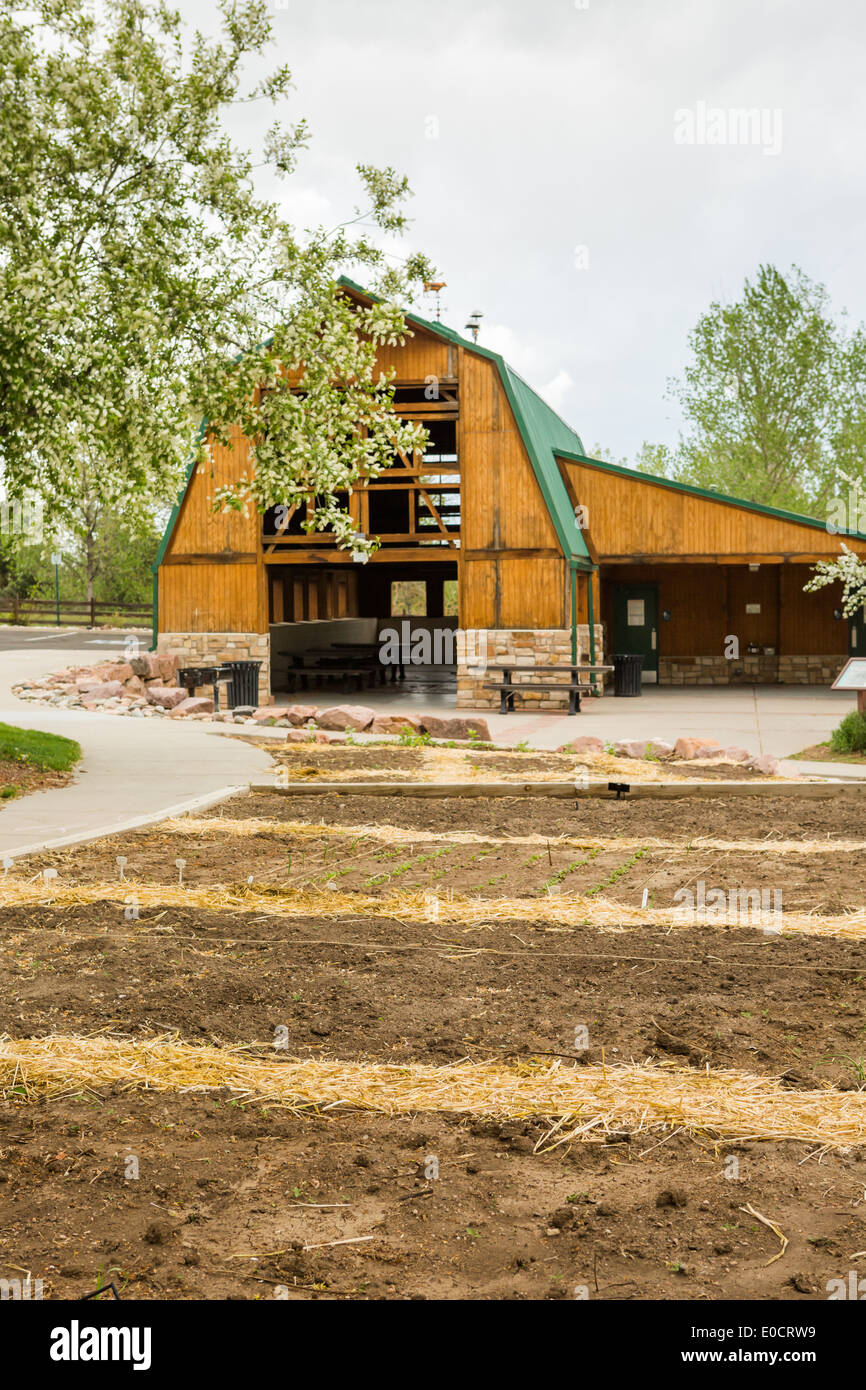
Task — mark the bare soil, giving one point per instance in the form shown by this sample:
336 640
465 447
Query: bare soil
21 778
227 1194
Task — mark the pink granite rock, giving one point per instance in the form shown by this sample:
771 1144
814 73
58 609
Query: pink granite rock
455 728
299 714
764 764
355 717
587 743
193 704
395 724
689 748
166 696
630 748
108 690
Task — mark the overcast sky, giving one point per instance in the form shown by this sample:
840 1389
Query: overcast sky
564 179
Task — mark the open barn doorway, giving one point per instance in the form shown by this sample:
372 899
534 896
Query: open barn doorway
340 630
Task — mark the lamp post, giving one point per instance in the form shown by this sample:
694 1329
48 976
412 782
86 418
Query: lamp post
55 560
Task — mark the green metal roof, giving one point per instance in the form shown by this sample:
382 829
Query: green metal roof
708 494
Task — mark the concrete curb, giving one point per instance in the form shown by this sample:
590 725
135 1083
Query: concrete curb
196 803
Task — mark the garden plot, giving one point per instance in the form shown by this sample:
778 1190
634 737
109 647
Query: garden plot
497 1071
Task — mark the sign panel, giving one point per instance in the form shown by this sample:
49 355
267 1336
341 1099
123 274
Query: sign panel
852 676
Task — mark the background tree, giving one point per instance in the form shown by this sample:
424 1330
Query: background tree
773 399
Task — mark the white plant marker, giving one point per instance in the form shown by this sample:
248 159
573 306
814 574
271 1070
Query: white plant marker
181 865
7 865
121 862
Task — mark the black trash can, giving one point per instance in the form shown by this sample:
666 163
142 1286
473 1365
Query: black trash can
627 669
244 687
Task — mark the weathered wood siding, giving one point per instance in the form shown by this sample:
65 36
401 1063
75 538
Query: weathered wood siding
512 571
634 519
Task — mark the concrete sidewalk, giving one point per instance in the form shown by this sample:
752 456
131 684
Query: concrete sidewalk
133 770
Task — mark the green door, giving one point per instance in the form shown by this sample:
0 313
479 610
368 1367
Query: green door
635 624
857 632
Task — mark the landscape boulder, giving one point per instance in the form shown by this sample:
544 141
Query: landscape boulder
299 714
396 724
736 755
630 748
455 728
764 764
164 696
119 671
689 748
193 704
659 748
356 717
107 690
300 736
587 743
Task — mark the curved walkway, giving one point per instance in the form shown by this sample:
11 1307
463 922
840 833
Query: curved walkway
133 771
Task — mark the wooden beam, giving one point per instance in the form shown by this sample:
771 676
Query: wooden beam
216 557
417 554
791 558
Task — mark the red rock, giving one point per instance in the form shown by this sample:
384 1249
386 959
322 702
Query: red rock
265 713
299 714
119 671
300 736
658 748
764 764
688 748
107 691
395 724
135 685
346 717
587 743
455 728
735 755
166 696
630 748
193 704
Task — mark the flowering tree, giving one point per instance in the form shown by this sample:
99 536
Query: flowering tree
139 268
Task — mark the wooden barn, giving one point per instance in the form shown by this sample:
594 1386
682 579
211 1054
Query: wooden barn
506 537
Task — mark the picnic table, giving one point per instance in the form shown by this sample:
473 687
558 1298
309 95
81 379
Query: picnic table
576 685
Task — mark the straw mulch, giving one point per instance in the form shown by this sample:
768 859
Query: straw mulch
551 911
397 835
581 1102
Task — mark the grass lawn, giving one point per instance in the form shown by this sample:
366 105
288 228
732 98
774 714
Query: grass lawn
29 757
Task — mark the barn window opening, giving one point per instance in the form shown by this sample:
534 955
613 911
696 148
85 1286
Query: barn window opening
409 598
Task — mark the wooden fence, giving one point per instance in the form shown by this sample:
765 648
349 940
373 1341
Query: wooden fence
74 612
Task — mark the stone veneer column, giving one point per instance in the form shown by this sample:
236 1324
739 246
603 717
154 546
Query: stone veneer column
212 648
529 649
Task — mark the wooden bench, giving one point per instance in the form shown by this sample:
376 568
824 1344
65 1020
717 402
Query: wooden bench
508 689
576 686
359 675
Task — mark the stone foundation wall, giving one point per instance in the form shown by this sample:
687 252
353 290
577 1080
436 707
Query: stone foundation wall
211 648
749 670
529 649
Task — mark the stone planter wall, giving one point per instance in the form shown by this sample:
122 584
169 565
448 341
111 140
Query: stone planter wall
212 648
749 670
529 649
